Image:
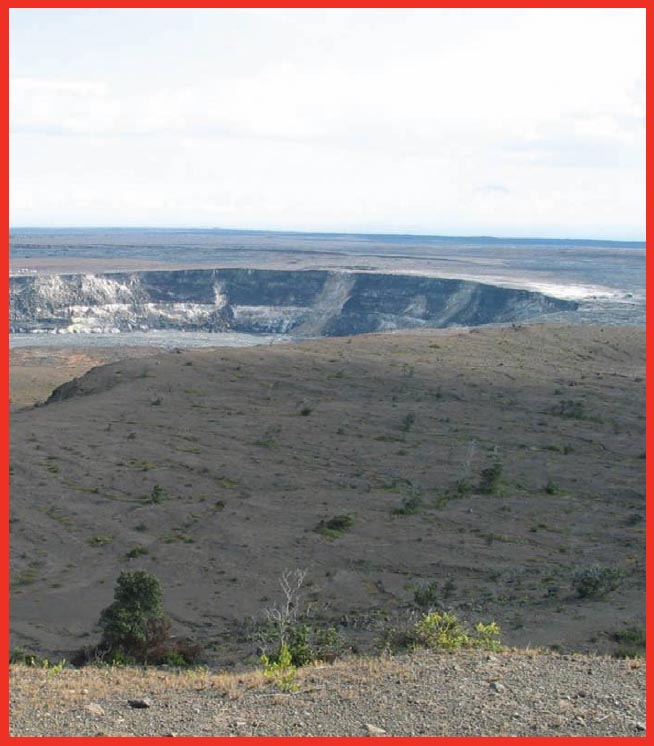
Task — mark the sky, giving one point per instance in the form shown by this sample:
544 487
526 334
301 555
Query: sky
507 122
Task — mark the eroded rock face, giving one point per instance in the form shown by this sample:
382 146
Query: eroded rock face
303 302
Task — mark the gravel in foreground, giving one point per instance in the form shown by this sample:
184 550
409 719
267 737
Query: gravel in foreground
517 693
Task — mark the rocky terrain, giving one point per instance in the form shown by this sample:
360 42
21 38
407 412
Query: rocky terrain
523 693
306 303
249 452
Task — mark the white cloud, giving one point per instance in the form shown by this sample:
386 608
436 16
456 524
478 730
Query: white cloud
321 118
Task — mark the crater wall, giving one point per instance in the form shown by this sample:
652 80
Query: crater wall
302 302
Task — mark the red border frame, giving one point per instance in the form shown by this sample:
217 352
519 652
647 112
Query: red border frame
4 378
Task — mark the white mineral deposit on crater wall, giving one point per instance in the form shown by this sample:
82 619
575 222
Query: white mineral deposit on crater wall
305 303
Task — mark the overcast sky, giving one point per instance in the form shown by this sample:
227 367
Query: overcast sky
460 122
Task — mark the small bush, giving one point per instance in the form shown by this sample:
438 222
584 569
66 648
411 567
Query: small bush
408 422
443 631
427 597
158 494
138 551
490 481
572 409
290 632
630 636
306 643
99 541
306 411
449 588
335 527
632 642
329 644
596 581
281 669
298 645
487 637
462 488
410 506
18 655
440 632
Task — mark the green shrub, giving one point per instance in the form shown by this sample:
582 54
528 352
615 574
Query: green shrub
329 644
304 643
462 488
137 551
334 527
490 480
596 581
289 630
135 628
281 669
427 597
127 623
632 642
487 637
408 422
18 655
99 541
298 645
552 488
158 494
410 506
440 632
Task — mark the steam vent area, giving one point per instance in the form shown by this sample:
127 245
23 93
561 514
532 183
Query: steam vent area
304 303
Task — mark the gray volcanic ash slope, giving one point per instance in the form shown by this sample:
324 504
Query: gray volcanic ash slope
304 303
252 448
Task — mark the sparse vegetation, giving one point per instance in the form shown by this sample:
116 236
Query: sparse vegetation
427 597
29 575
289 637
570 408
158 494
490 481
100 541
410 506
137 551
443 631
485 416
408 422
596 582
632 642
18 655
335 527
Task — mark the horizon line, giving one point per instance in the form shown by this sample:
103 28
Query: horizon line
319 232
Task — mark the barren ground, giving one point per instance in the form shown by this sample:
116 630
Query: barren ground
509 694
